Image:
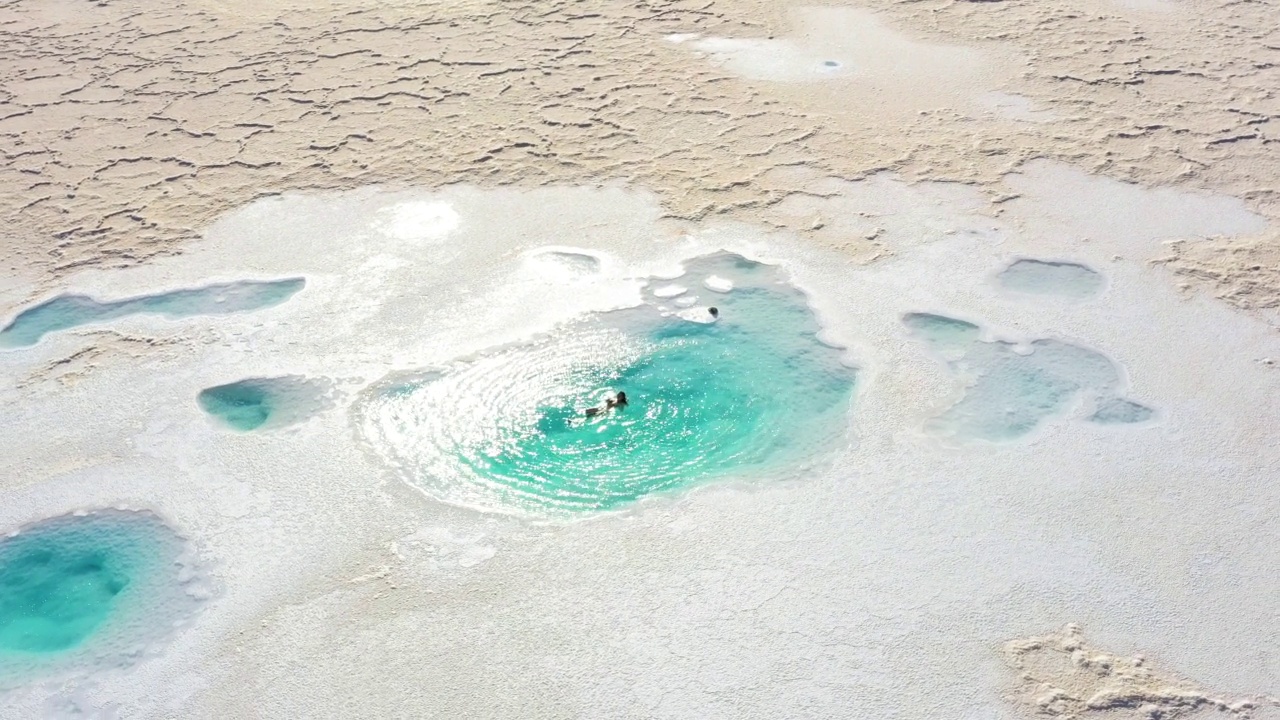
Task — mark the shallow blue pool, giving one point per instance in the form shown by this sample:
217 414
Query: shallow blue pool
68 311
263 403
1011 390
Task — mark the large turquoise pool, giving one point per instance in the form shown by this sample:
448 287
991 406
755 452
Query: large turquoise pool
754 392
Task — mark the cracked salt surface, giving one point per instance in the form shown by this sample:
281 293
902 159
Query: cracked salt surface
895 570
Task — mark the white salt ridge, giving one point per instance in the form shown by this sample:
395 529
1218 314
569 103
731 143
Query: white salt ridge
440 549
565 263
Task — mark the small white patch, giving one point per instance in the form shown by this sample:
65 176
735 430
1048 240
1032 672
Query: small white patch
678 38
420 220
446 551
1016 107
777 60
715 283
667 291
1156 6
686 301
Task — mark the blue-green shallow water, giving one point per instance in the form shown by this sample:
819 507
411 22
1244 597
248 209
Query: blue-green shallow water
755 393
68 311
241 405
95 586
1011 391
259 403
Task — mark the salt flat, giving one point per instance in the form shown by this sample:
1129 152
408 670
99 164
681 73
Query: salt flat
455 182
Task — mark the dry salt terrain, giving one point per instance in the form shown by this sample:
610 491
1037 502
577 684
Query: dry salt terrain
453 177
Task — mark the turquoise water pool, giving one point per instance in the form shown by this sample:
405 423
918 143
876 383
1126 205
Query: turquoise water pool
754 392
102 582
242 405
1071 281
1011 390
68 311
260 403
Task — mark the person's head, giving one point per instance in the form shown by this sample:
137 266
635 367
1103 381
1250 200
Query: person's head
714 312
622 398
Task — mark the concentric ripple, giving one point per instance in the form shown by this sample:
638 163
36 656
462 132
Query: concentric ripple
751 392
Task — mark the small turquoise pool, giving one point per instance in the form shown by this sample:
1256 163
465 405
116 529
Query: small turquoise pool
69 311
104 582
1011 390
754 392
263 403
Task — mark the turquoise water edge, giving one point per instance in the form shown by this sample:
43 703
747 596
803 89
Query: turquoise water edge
754 391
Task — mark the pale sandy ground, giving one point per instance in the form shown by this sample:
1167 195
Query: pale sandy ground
128 126
126 129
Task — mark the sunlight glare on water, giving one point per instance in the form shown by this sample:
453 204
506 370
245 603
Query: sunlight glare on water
754 392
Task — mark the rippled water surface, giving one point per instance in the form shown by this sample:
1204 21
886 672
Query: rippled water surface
68 311
751 392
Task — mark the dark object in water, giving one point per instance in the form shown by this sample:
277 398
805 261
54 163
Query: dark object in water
611 403
715 312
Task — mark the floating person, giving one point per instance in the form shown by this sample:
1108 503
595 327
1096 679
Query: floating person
618 401
715 312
